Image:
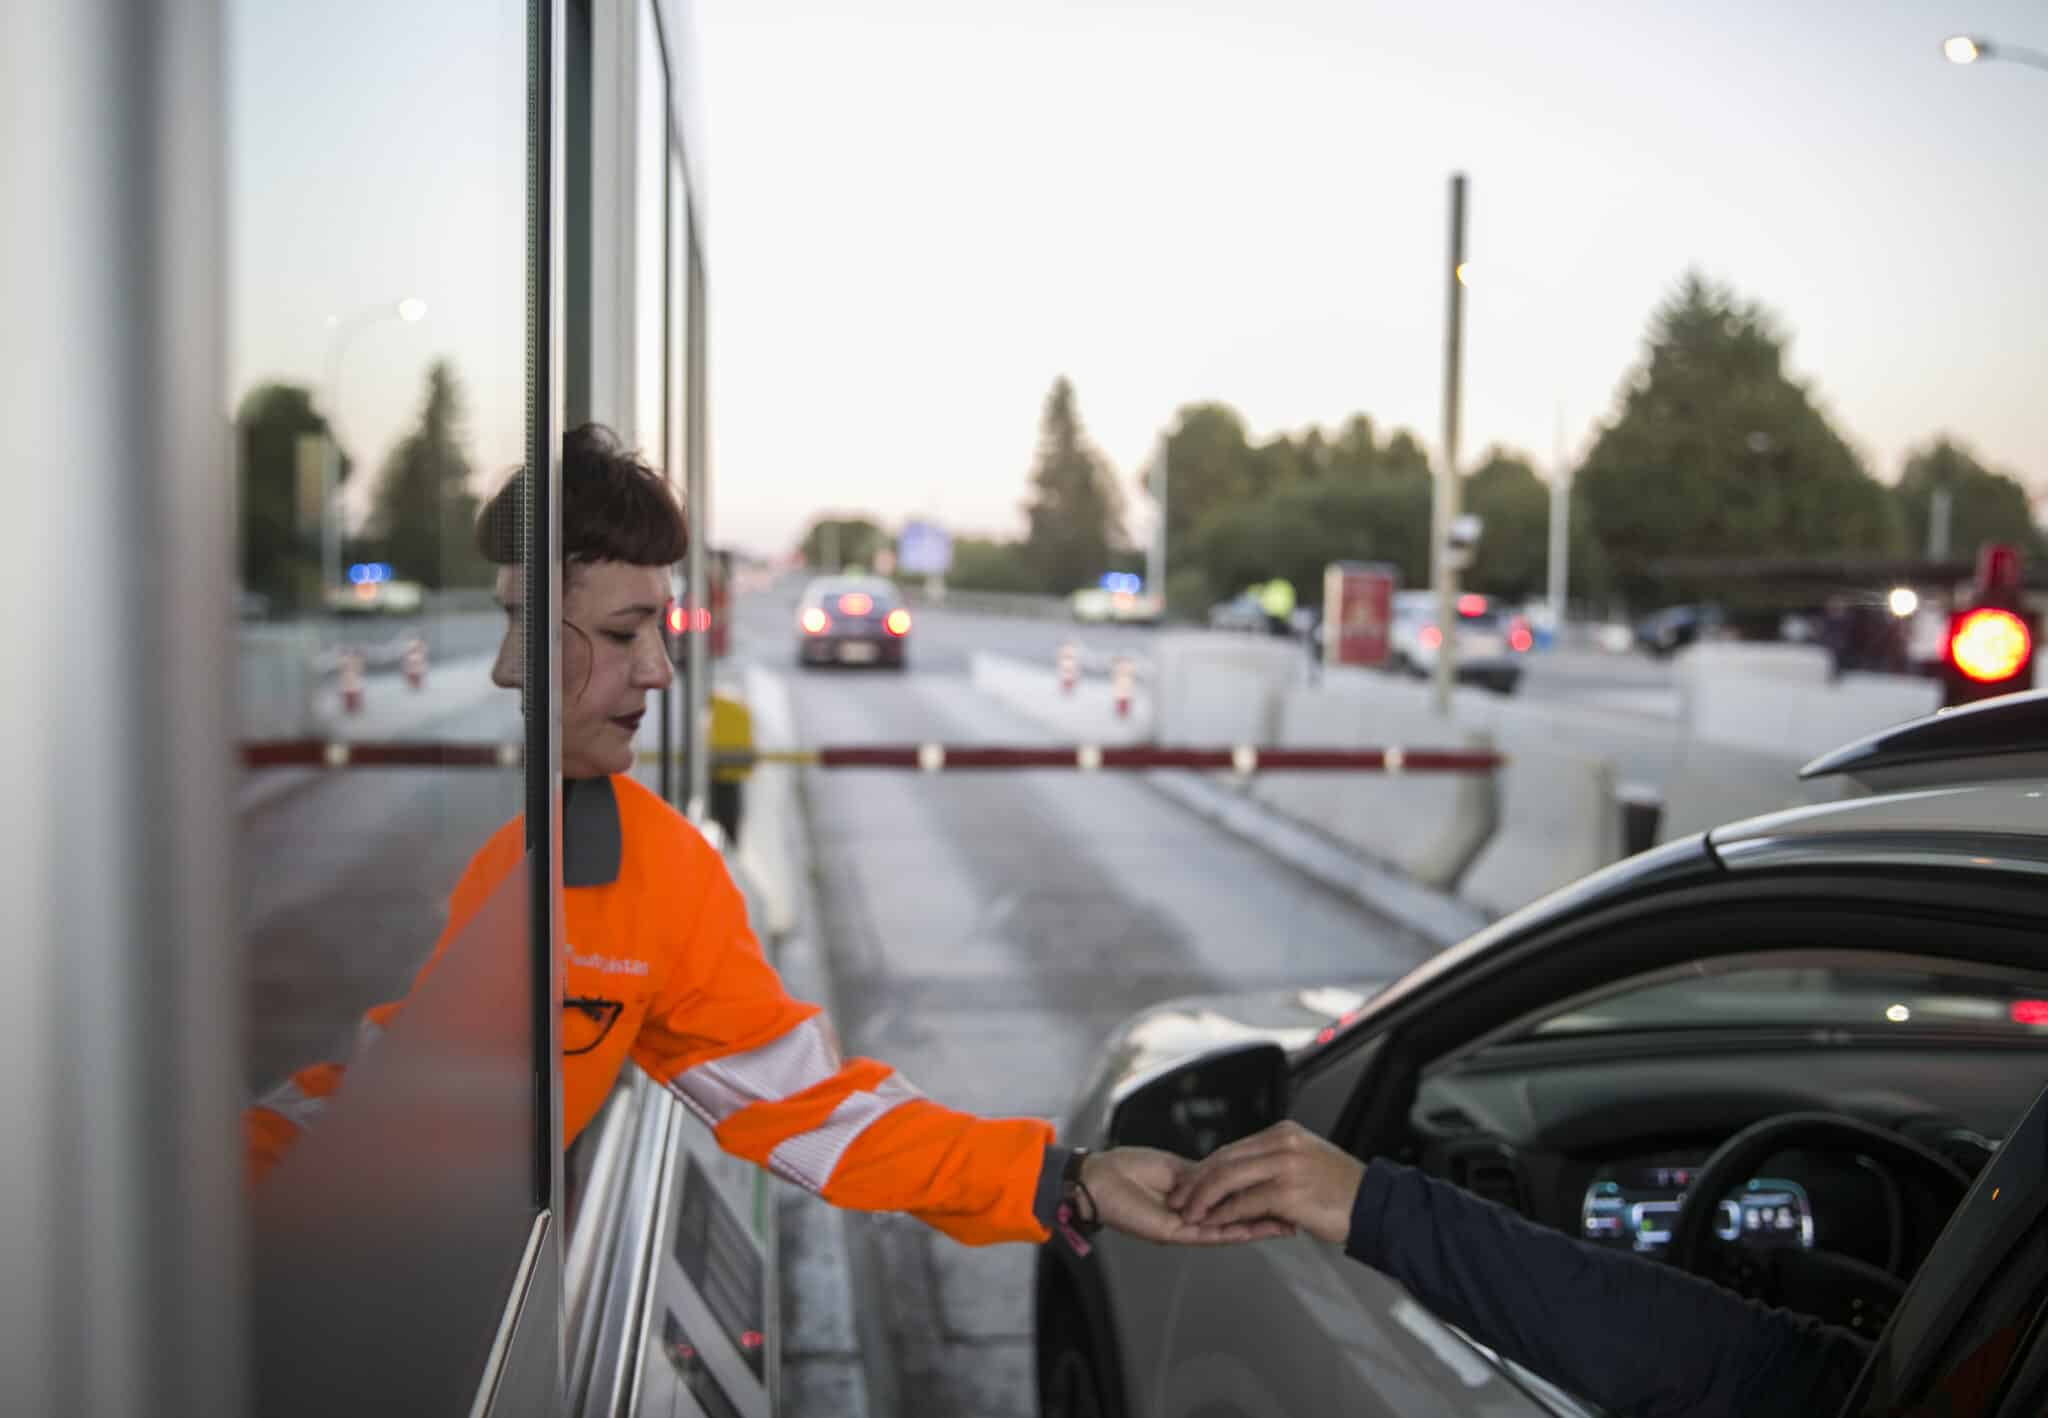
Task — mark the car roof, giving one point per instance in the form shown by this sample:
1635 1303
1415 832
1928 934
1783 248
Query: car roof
839 585
1961 784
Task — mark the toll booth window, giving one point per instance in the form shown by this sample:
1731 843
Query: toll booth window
378 277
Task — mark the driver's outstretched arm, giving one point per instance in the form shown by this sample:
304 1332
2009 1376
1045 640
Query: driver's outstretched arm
1633 1335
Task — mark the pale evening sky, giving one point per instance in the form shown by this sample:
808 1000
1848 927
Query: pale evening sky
922 211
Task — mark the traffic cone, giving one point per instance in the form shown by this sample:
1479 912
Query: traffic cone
350 677
414 662
1122 675
1069 666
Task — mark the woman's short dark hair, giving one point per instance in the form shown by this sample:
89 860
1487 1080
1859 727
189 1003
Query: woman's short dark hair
614 508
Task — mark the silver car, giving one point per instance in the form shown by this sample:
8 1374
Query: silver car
1491 643
1831 1017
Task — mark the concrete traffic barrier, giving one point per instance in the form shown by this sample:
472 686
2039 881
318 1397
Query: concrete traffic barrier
278 681
1429 827
1558 821
1221 689
1803 721
1714 784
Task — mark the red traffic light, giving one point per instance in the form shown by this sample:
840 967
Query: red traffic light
1988 645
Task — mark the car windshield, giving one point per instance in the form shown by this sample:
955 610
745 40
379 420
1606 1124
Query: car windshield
1881 998
881 593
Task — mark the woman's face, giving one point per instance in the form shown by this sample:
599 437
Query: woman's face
612 657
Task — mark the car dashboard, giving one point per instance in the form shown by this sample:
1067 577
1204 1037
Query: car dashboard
1603 1149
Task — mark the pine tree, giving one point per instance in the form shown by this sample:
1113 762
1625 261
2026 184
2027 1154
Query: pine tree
1716 452
1075 510
425 513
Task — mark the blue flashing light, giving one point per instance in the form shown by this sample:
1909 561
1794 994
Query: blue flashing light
1122 581
368 573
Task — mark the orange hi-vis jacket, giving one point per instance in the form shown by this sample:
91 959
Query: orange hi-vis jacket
704 1013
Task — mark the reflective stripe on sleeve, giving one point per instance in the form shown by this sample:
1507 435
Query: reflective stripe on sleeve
809 1158
293 1103
787 1064
368 1032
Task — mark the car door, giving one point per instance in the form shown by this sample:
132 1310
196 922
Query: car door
1287 1327
1970 1339
1290 1327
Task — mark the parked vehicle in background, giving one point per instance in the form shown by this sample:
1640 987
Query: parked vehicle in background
1119 599
1670 630
852 620
1240 612
1490 647
372 590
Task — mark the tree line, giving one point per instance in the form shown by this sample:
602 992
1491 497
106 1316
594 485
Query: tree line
422 515
1713 450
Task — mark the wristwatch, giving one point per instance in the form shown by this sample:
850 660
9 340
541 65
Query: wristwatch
1082 1212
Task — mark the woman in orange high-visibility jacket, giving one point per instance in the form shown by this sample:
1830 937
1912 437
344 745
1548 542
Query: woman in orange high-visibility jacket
660 965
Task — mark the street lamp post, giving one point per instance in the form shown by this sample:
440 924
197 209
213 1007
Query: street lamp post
1444 555
343 333
1968 49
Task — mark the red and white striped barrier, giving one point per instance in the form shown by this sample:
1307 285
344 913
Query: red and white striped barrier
925 757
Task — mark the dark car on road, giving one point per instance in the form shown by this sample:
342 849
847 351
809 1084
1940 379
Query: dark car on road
1670 630
852 620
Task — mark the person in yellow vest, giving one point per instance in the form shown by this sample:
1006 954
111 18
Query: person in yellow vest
662 970
1276 600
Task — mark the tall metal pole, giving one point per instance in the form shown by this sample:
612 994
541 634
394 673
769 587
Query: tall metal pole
1939 507
1155 560
1444 557
1560 527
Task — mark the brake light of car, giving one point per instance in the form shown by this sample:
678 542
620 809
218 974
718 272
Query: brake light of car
675 619
1429 637
1519 638
1471 605
898 622
815 621
856 603
2030 1011
1989 645
700 619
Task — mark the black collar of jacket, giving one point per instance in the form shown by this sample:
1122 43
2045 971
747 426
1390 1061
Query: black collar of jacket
592 842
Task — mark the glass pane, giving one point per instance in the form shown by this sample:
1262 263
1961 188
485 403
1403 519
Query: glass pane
1892 998
378 360
650 319
676 449
650 247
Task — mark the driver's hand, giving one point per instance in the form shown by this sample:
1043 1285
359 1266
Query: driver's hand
1284 1174
1129 1186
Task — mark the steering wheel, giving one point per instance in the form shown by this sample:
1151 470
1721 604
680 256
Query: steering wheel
1834 1287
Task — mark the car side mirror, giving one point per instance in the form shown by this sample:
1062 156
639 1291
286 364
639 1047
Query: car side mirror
1206 1102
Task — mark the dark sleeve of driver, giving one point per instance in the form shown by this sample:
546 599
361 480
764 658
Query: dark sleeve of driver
1632 1335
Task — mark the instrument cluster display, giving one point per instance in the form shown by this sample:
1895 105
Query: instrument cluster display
1634 1206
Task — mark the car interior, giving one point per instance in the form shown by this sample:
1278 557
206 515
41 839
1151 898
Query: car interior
1854 1092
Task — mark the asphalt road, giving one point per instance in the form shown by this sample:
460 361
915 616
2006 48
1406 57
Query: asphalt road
344 876
984 933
